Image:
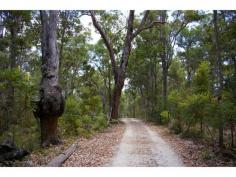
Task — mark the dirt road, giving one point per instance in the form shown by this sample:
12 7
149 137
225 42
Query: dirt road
142 147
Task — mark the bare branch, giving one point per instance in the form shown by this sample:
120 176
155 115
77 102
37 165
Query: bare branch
106 41
183 25
142 24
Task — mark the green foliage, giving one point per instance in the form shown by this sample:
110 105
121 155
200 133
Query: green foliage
67 123
195 100
84 126
176 74
193 108
175 126
82 117
187 111
20 126
221 112
192 133
101 123
165 117
201 78
174 99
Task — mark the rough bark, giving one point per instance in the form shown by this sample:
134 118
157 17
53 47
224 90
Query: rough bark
120 78
1 27
51 104
109 91
164 62
164 77
116 98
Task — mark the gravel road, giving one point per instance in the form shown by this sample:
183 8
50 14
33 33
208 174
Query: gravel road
142 147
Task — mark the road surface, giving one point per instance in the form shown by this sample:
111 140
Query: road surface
142 147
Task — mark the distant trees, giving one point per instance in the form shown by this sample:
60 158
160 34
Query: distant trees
168 39
190 53
12 49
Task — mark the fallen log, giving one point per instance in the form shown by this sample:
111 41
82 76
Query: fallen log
60 159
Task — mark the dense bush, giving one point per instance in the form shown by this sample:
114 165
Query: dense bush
175 126
193 110
200 113
17 122
78 120
164 117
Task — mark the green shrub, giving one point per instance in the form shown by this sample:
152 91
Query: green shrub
176 126
67 123
100 123
191 133
82 117
207 154
193 108
164 117
201 80
174 99
84 126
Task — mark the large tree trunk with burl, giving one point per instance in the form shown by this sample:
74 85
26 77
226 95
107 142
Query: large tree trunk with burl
51 104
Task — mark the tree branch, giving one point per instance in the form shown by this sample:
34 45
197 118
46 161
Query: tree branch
128 40
106 41
142 24
183 25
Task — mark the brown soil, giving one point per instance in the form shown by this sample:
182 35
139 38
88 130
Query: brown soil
98 150
193 153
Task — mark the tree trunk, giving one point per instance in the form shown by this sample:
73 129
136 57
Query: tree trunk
49 131
188 65
103 97
1 28
232 134
109 92
164 60
12 65
164 89
221 135
219 72
51 104
116 98
119 72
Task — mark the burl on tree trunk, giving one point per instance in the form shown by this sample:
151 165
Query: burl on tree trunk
50 108
51 103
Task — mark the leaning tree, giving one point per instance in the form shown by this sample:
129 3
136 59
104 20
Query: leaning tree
119 71
51 101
